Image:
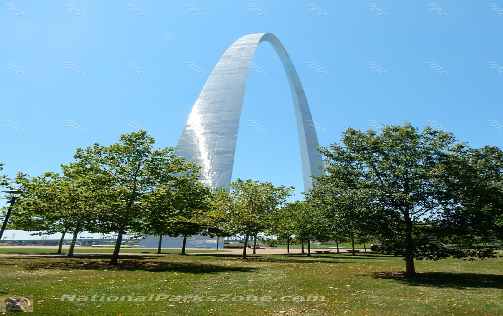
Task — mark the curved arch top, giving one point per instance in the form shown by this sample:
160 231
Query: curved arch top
210 135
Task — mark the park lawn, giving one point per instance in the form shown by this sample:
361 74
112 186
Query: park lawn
98 250
228 285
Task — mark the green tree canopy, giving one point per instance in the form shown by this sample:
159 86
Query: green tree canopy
178 210
301 220
4 181
131 171
250 205
387 180
474 179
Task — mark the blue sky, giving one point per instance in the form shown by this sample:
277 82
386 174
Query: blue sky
77 72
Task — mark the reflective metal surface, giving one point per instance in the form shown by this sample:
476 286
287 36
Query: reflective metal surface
210 135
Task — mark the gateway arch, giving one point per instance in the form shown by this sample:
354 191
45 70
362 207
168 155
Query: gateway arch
210 135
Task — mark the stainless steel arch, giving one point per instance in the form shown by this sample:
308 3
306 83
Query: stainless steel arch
210 135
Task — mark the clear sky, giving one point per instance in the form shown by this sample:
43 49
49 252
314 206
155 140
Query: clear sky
77 72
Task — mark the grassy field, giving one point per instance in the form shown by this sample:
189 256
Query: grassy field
219 284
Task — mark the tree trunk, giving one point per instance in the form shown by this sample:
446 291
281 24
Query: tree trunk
117 249
159 245
74 241
309 247
337 245
6 220
218 238
288 245
353 245
184 243
302 241
255 244
244 247
364 248
410 270
60 245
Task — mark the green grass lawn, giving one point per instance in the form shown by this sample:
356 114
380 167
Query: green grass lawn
263 285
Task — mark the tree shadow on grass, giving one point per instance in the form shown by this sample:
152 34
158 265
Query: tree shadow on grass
292 258
135 265
266 258
447 279
83 256
359 256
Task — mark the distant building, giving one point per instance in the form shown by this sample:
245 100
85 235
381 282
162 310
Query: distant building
21 237
196 241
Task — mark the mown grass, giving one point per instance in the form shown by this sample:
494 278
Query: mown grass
227 285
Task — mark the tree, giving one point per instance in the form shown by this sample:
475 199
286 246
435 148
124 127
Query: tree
215 219
37 208
308 222
79 197
4 183
250 206
344 203
131 170
159 213
175 205
189 200
395 174
474 179
283 225
55 203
